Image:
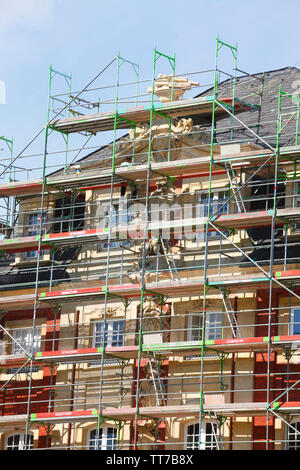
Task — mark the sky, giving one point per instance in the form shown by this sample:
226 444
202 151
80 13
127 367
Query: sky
80 37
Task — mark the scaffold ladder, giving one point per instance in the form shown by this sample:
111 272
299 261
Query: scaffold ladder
214 431
230 313
170 259
217 435
158 385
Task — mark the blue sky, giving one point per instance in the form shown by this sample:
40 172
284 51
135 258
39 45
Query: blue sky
81 36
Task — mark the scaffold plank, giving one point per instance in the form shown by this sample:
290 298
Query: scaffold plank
180 348
126 414
226 409
169 289
167 349
106 120
180 288
242 220
138 172
87 354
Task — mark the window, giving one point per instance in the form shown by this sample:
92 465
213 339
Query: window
107 439
24 336
194 327
213 327
32 222
120 214
208 437
32 229
218 203
295 322
293 436
297 196
17 442
114 333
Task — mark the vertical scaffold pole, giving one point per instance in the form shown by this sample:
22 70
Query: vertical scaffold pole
11 199
99 422
271 264
171 60
35 307
119 60
206 287
68 79
10 144
233 49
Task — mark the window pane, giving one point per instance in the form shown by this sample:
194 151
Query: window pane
107 439
117 336
213 326
24 336
296 329
17 442
98 334
113 336
208 439
111 439
218 204
195 328
294 437
210 436
193 436
33 229
222 205
93 439
13 442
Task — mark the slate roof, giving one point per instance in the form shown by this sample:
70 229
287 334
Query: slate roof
247 89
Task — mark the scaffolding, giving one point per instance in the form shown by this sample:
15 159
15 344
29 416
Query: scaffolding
194 325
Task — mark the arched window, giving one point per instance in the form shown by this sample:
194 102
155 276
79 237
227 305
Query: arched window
293 436
107 439
17 442
208 438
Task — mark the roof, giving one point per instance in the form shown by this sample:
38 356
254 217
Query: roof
260 89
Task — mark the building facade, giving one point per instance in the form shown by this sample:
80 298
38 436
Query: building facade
150 291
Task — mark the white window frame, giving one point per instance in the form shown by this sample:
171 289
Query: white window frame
289 430
214 198
118 217
103 437
26 339
218 330
21 442
110 331
203 435
31 232
214 202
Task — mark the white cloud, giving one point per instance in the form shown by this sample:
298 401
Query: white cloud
24 15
